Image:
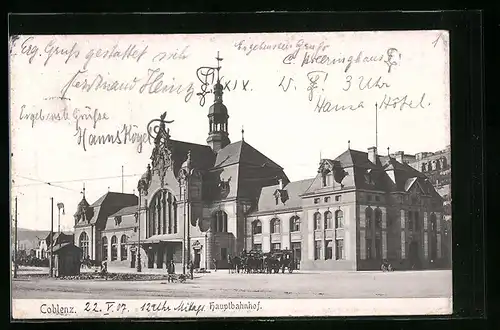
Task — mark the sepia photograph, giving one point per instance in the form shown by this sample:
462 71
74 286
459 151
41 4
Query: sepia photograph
230 175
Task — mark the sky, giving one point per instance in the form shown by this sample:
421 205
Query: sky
338 86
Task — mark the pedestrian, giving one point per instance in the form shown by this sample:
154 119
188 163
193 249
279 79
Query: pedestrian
170 271
191 269
104 269
215 264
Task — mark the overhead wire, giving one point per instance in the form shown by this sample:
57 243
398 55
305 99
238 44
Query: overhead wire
54 183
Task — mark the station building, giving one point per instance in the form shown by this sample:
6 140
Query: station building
205 203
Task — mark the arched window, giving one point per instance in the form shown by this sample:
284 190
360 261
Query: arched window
220 222
104 248
257 227
162 214
328 220
84 244
339 219
378 219
275 226
294 223
123 247
114 248
443 162
368 218
317 221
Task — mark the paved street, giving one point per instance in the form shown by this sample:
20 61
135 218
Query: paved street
418 284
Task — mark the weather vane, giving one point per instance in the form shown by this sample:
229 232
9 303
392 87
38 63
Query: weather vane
219 59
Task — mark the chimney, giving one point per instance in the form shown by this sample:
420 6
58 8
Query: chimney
372 154
280 181
399 156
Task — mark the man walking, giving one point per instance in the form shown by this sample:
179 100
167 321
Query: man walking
170 271
191 269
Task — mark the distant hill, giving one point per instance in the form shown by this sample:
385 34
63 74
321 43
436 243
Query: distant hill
29 234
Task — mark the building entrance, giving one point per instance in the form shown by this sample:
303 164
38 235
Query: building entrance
197 258
413 255
297 253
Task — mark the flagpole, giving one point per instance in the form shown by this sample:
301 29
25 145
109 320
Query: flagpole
122 179
376 128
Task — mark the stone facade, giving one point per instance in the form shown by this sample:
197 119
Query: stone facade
205 203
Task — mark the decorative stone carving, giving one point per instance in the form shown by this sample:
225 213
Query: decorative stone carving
161 156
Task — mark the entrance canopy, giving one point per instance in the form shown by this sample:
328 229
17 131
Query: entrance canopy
162 238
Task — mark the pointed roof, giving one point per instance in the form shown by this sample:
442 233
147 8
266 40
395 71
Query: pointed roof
111 196
352 157
109 203
202 156
243 153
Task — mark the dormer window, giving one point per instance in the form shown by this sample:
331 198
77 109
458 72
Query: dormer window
369 177
118 220
280 195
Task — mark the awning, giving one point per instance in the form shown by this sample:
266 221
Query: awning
162 238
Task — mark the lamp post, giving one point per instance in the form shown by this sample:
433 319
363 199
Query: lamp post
60 206
138 217
51 236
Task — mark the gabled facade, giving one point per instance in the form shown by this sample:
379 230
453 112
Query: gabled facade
90 221
358 210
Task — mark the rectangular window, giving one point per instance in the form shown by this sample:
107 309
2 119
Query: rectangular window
369 197
378 248
257 247
417 221
317 250
327 199
369 248
410 220
339 249
338 198
377 198
316 201
223 253
276 247
329 250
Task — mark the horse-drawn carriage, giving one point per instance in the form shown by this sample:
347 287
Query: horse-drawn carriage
279 260
256 261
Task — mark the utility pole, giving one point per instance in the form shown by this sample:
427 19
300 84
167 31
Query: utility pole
51 237
15 240
122 179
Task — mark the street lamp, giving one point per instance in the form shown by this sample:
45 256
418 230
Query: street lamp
142 188
60 206
138 250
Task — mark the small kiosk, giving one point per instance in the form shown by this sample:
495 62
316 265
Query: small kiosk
67 260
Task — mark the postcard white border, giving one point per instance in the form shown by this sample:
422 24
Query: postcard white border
201 308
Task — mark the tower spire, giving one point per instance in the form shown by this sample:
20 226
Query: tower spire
242 133
219 59
348 144
218 136
83 190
